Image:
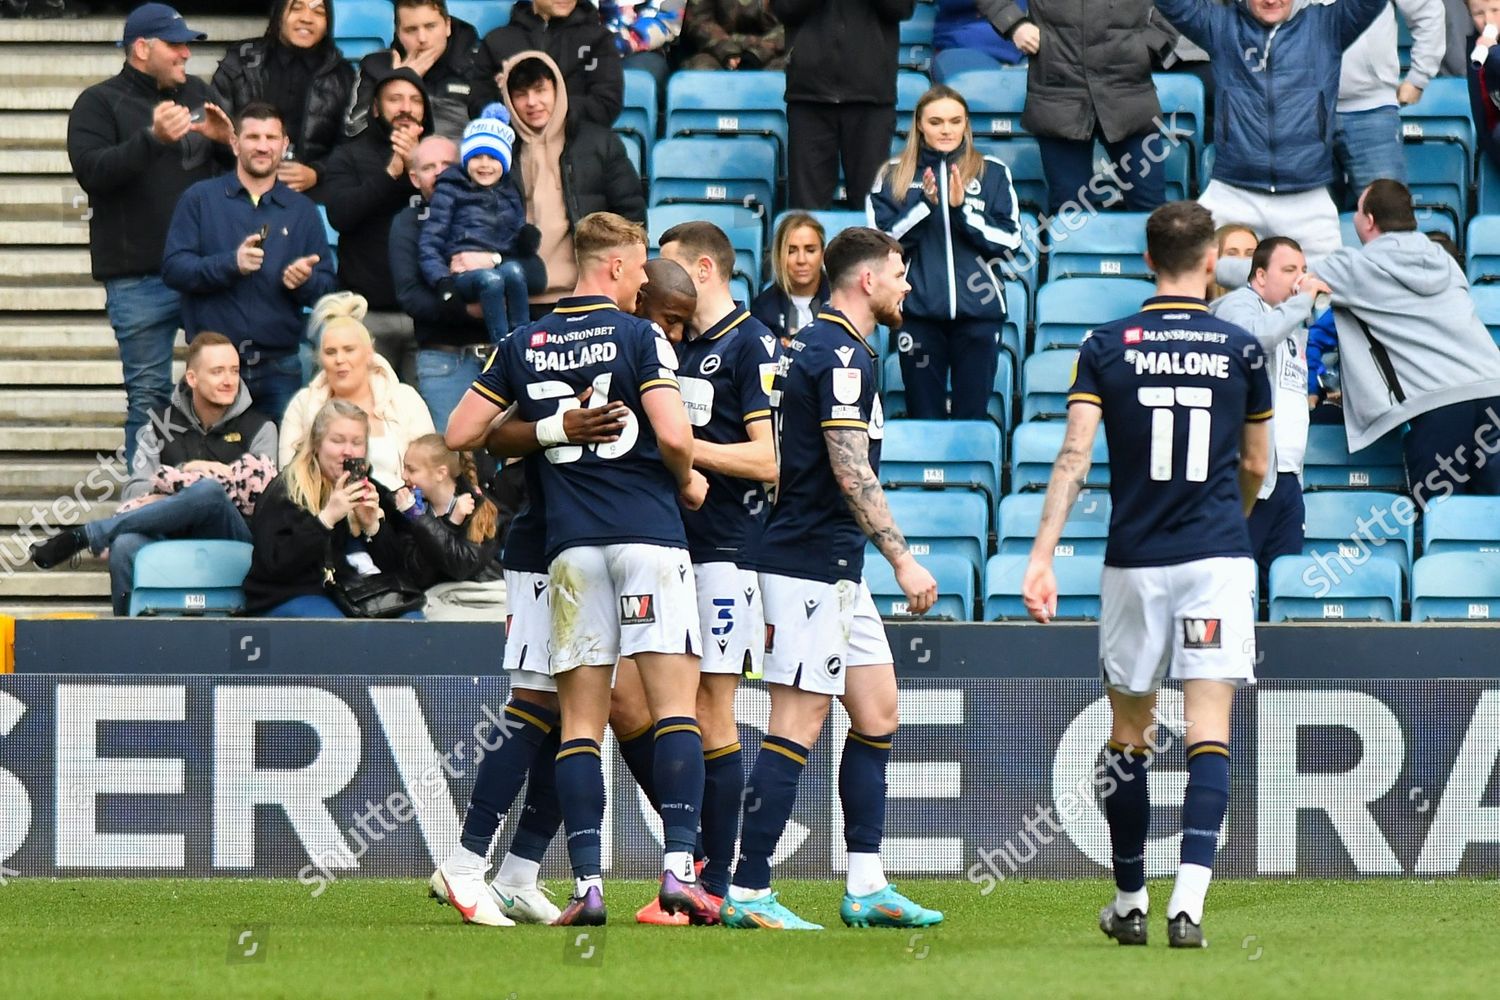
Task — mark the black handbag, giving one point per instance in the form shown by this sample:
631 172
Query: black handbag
381 595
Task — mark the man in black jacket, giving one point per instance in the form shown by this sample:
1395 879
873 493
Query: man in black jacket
208 427
136 142
439 49
581 47
366 183
840 94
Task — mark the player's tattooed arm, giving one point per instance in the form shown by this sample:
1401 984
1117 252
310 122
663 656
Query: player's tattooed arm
849 454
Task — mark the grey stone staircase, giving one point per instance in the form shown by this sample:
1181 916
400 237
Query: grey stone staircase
62 406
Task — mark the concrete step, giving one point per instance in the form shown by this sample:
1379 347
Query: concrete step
69 373
33 129
107 31
75 296
36 234
55 439
56 609
74 407
28 267
18 512
58 200
32 477
25 337
34 161
30 586
40 98
28 64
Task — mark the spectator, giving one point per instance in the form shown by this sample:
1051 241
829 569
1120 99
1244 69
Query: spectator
565 169
1090 79
798 288
297 69
455 530
955 213
840 94
135 147
1413 349
1484 76
439 49
964 39
180 485
248 254
1234 241
353 373
318 519
1275 307
476 227
582 50
644 30
1278 186
734 34
452 342
366 182
1367 128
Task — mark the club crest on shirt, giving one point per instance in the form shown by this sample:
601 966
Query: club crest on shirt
846 354
770 345
710 365
846 385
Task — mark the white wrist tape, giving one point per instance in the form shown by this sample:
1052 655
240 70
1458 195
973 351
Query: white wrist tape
549 431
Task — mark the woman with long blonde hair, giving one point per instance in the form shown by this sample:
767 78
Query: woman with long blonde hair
954 211
799 288
322 512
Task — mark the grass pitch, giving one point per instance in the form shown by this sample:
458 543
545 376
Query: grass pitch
377 938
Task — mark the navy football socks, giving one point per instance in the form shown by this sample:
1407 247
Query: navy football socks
540 814
723 788
637 749
1127 809
580 792
502 772
862 790
1204 802
679 782
770 793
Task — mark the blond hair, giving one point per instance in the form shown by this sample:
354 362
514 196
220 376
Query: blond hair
306 485
338 309
790 223
600 232
486 517
903 170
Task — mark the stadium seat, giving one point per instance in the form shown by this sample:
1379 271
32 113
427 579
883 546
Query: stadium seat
1437 134
915 50
714 171
1182 108
1456 586
1205 167
1013 335
1068 308
1024 159
943 455
637 121
910 86
1077 587
1000 407
1308 588
1083 533
1045 379
955 524
1033 448
485 16
364 26
1329 466
1489 187
1347 232
190 577
1438 175
1487 303
996 99
1109 244
1461 524
1482 248
742 226
701 103
1442 115
955 583
1330 525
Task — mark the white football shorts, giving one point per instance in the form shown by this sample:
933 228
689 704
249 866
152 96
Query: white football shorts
733 621
528 631
816 631
619 600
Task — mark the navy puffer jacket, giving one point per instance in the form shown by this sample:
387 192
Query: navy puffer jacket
464 216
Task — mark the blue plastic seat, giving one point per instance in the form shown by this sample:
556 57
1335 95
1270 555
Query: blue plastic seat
1205 166
1482 249
1183 108
1461 524
1045 379
1461 586
1083 534
1017 315
1024 158
714 171
1487 303
1332 525
1438 176
910 86
705 103
1329 466
996 99
1489 187
743 226
915 50
955 582
1033 449
1069 308
1000 407
1442 115
190 577
954 524
1305 589
1110 244
485 16
1077 587
943 455
637 121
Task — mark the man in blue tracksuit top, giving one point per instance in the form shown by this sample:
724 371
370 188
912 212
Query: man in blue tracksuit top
248 253
1276 67
954 212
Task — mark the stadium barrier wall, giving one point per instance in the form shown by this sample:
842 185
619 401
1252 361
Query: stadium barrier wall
301 770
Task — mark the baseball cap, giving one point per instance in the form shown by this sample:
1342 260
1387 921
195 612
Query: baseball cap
157 20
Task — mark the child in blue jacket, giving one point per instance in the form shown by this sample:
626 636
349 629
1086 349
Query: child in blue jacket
476 227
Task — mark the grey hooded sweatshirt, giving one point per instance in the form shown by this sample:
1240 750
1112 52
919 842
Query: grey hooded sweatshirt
1410 340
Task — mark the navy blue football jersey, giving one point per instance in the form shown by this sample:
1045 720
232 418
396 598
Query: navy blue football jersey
826 380
726 377
607 494
1177 385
